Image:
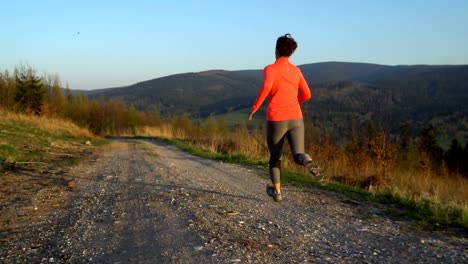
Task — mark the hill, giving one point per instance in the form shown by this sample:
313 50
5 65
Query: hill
343 92
360 72
200 94
436 96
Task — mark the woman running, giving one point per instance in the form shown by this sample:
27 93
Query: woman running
286 88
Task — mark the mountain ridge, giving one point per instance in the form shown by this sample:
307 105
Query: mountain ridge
304 67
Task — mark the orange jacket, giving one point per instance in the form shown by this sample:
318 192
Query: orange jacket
281 82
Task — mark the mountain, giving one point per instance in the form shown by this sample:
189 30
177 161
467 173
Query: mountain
199 94
343 93
218 91
359 72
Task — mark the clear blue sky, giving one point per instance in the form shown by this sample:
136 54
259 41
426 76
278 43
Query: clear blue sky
123 42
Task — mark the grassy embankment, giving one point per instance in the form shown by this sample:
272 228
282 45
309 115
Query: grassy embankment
28 140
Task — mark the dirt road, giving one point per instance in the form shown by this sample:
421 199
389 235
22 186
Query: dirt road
147 202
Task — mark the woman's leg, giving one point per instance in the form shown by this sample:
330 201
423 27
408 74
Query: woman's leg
295 136
275 139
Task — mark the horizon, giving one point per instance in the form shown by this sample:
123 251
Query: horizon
299 65
96 45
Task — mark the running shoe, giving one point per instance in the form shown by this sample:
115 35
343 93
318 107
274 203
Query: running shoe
277 197
314 169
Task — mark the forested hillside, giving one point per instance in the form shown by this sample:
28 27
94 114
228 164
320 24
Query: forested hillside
346 96
200 94
435 96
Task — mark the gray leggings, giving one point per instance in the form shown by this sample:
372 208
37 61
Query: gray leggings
277 131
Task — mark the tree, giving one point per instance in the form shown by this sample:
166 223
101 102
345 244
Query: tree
429 148
78 109
464 170
30 91
405 141
454 156
56 100
68 93
407 153
7 90
153 116
372 139
133 119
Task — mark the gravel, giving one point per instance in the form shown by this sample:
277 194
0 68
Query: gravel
148 202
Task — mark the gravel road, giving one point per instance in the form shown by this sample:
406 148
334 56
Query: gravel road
148 202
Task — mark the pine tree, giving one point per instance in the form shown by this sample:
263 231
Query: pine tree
30 91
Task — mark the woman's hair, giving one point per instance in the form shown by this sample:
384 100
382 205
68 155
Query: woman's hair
285 45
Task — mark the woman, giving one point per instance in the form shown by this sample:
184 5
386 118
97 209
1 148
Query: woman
286 88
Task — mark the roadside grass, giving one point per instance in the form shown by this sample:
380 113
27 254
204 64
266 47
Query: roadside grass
426 213
30 139
232 158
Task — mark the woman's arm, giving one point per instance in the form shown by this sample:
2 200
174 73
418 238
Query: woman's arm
268 78
304 90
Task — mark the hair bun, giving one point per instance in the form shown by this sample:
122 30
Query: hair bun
286 45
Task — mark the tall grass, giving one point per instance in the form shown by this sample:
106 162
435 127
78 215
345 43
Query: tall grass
374 169
47 123
417 185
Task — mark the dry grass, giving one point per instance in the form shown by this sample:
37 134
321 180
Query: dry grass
164 131
240 141
50 124
418 185
359 169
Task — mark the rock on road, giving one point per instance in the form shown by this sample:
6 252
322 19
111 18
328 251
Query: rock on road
148 202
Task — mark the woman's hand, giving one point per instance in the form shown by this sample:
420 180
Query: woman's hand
251 115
